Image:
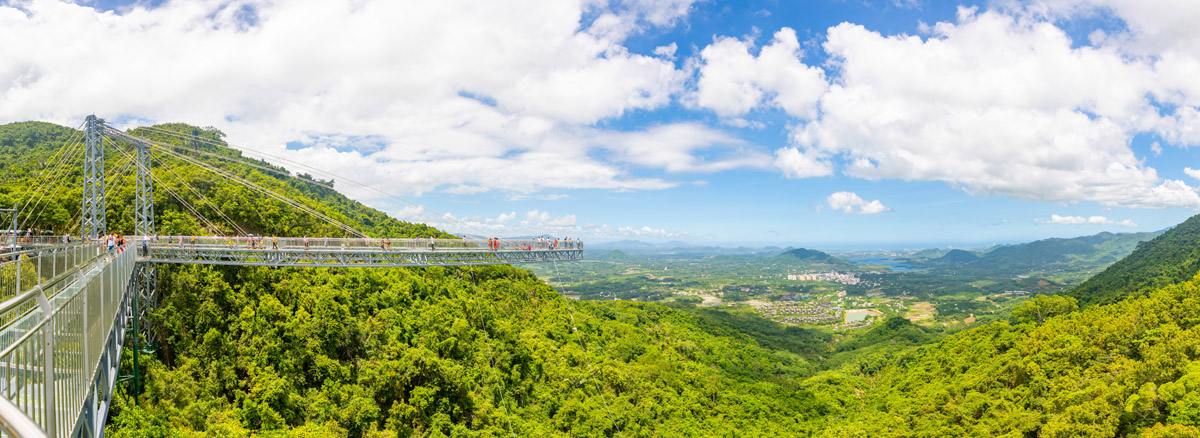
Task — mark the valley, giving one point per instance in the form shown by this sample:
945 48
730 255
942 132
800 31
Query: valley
654 342
948 288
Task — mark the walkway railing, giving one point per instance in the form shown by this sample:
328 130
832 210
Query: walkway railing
383 244
61 336
63 307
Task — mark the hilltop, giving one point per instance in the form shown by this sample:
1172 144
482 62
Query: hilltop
1061 260
491 351
419 351
957 257
1171 257
813 257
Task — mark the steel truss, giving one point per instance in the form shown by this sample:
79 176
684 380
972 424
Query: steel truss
146 274
92 220
352 258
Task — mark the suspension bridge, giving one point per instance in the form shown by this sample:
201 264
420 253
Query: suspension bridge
68 306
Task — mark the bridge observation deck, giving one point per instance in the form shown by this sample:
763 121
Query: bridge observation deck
333 252
66 306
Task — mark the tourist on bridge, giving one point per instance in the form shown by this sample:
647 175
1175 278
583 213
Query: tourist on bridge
274 243
306 242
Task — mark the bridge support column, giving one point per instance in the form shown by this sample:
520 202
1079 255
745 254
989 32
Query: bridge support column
92 219
147 273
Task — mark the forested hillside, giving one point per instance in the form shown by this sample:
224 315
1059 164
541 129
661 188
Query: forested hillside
813 257
47 180
417 352
1068 261
1125 369
1172 257
493 351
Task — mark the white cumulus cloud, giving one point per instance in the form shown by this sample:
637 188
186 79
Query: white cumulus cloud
801 164
450 95
1194 173
851 203
1080 220
733 81
993 105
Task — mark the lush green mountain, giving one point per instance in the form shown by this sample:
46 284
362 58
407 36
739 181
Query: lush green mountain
1060 260
483 351
492 351
880 345
812 257
956 257
1172 257
29 154
1125 369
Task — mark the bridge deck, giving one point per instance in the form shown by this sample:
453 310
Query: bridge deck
63 307
327 257
326 252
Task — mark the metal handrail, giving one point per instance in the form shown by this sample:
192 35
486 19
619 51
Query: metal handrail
374 243
16 423
48 371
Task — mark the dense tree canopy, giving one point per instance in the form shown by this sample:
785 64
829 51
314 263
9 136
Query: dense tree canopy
493 351
1172 257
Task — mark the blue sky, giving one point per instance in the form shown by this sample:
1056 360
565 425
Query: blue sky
825 123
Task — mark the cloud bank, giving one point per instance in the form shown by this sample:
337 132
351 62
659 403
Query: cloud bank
851 203
1080 220
467 97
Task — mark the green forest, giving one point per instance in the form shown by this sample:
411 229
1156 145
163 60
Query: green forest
494 351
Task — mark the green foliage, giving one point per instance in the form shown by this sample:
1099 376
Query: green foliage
879 346
493 351
1042 307
1118 370
27 154
470 351
1060 260
1172 257
814 257
892 330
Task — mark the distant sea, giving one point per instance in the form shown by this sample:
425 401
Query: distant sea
896 266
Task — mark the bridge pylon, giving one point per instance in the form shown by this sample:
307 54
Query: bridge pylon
93 224
146 272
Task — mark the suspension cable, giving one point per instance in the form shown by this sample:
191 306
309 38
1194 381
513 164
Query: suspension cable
248 184
579 337
55 178
208 223
57 160
491 358
163 164
425 211
268 192
271 194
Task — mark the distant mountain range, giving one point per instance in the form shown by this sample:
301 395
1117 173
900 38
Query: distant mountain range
813 257
1071 260
1171 257
956 257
